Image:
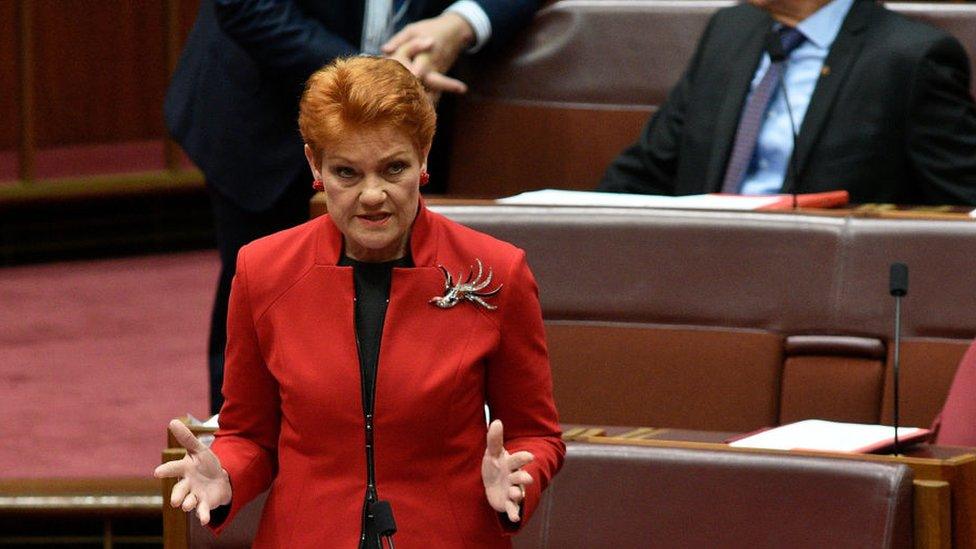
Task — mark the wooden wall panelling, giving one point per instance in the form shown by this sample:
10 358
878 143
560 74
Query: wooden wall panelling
9 81
98 79
97 70
9 93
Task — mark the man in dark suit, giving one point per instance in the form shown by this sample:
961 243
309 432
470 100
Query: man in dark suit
881 104
233 100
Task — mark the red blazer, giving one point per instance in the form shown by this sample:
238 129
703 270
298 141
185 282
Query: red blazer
293 418
956 423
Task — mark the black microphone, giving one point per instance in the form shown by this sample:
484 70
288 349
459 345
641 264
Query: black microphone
383 520
774 48
898 287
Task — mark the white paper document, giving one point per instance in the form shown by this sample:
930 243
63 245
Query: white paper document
556 197
831 436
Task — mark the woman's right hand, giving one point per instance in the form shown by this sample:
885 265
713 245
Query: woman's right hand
203 483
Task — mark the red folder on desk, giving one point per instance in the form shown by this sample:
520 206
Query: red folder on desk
832 199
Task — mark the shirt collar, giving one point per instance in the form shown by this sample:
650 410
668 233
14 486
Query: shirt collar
822 27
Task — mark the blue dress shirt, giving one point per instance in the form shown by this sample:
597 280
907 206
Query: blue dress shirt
767 171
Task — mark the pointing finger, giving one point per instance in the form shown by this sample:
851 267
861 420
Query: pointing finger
495 439
185 437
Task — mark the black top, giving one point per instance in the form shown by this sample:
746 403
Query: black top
372 286
372 283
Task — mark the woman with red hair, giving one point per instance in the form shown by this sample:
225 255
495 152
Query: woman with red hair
364 345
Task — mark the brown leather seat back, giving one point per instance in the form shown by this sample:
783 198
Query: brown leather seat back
671 318
938 315
626 496
570 94
692 378
832 377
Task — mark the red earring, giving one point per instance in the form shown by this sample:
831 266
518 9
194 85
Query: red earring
317 185
424 178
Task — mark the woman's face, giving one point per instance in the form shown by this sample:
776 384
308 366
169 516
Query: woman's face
372 188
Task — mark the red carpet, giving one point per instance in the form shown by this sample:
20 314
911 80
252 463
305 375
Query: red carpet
96 357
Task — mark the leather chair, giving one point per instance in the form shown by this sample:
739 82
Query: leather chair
735 321
629 496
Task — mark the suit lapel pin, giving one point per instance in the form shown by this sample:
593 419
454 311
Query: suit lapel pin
825 71
471 289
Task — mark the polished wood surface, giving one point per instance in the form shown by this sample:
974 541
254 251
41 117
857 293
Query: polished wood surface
85 496
174 519
933 515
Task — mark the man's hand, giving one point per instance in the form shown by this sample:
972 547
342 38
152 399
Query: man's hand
502 474
203 483
429 48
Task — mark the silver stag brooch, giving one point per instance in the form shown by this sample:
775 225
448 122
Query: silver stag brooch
470 289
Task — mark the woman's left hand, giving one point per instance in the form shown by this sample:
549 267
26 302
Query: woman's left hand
502 474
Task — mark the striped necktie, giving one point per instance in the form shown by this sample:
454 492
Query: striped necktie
751 120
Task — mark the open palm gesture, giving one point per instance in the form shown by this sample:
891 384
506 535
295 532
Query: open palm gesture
502 474
203 483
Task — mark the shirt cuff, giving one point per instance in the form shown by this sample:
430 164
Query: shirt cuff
476 17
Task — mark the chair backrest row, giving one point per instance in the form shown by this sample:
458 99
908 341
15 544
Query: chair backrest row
630 496
627 496
734 321
578 85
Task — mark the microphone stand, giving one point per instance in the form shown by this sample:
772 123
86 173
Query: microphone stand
898 288
896 361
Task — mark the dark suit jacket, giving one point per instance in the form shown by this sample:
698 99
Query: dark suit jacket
892 121
233 100
293 417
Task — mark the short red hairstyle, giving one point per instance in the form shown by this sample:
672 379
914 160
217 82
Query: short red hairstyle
352 93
